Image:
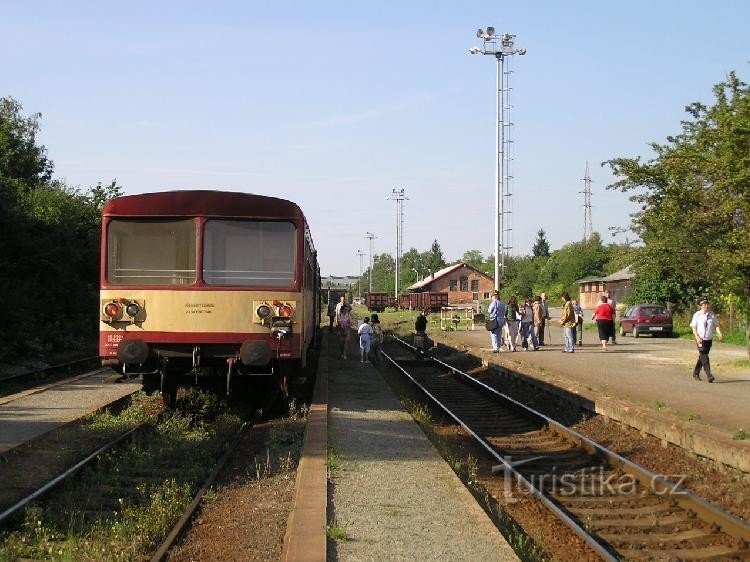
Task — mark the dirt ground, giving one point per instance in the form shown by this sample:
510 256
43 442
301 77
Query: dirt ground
245 516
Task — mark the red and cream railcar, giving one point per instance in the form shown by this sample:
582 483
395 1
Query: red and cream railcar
202 286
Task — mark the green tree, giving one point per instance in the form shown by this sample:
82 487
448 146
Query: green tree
573 261
474 258
434 259
49 253
412 269
541 246
694 197
383 273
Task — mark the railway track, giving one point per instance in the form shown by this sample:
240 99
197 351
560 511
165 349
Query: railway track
620 510
22 384
143 480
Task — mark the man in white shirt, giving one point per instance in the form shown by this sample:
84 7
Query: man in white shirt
342 302
704 323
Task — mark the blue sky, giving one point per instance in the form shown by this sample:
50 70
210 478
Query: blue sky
334 104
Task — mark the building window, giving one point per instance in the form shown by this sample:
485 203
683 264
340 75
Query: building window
475 296
486 295
464 283
453 285
475 285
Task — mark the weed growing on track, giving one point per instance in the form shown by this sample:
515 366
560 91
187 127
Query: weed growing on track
82 522
419 412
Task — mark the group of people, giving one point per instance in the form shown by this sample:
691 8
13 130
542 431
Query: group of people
369 331
512 323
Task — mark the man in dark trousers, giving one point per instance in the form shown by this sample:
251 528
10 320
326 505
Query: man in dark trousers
331 314
704 323
545 318
611 302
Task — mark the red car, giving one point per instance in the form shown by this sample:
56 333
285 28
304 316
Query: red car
646 319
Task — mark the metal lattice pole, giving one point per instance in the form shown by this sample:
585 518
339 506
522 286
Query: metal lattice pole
501 47
370 236
587 226
360 253
398 196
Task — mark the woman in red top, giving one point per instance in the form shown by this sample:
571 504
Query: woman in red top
604 315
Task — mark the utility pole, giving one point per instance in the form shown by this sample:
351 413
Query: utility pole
370 236
501 47
398 196
360 253
587 227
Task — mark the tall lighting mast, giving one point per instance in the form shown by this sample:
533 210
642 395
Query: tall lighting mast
587 227
501 47
370 236
398 195
360 253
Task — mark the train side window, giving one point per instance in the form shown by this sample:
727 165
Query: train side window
151 252
249 253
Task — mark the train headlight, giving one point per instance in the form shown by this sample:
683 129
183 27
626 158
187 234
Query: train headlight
133 309
286 311
263 311
112 310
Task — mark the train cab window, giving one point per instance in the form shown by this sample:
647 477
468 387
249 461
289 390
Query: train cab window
151 252
252 253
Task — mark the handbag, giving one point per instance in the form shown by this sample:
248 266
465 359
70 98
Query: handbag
491 325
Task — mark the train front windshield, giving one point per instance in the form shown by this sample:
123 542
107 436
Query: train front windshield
151 252
256 253
235 252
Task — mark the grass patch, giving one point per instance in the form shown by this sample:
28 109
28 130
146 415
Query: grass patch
334 462
741 435
742 363
122 507
336 532
693 417
419 412
660 405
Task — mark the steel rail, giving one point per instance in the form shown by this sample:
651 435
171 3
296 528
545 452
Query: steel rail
46 369
45 387
5 515
727 522
178 528
509 468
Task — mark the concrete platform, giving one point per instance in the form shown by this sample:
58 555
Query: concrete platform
392 494
33 413
643 382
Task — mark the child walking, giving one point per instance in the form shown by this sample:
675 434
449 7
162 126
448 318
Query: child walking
365 338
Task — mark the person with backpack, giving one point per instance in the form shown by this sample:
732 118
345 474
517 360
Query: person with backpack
496 321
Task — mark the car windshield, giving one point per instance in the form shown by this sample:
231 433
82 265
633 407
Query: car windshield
653 311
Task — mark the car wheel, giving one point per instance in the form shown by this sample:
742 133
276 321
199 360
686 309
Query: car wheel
635 332
622 330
